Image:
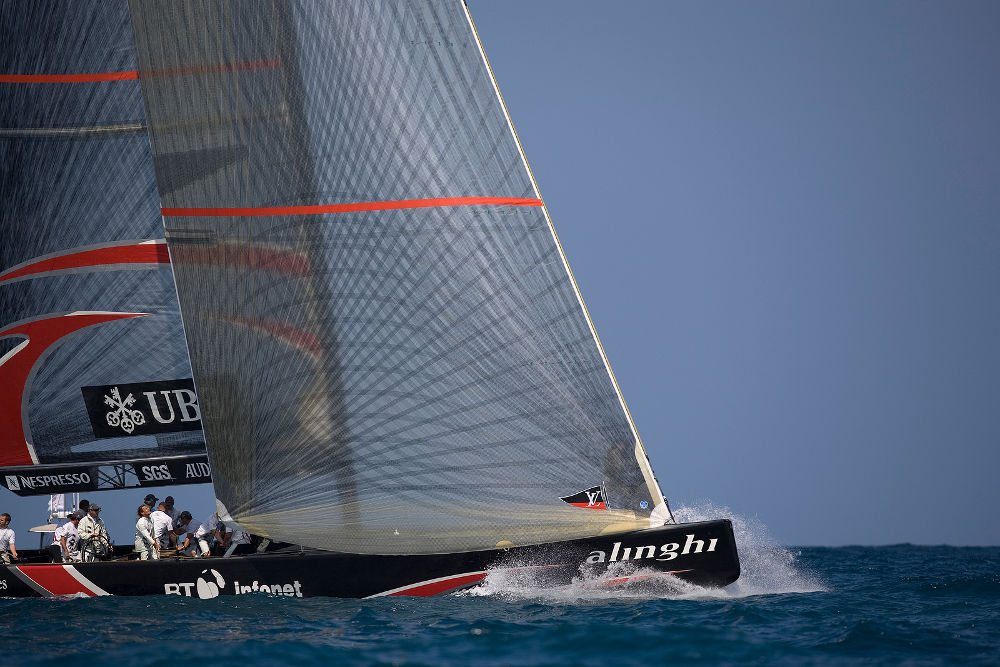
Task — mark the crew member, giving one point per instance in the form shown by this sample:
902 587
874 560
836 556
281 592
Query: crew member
7 548
66 541
145 545
235 537
94 540
163 527
171 510
210 532
187 525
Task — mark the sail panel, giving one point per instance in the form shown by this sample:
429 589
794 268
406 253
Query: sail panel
425 378
87 299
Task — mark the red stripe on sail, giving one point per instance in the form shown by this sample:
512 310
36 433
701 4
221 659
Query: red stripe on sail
257 258
17 368
243 66
295 337
68 78
138 253
352 208
438 587
55 579
595 506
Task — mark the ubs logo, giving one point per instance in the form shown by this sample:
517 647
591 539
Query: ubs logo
122 410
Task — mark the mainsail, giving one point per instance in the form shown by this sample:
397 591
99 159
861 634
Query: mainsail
96 381
391 352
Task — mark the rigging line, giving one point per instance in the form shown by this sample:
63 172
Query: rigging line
350 208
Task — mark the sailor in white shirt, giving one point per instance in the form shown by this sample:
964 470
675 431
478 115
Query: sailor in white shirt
163 527
237 537
207 532
7 546
145 545
67 539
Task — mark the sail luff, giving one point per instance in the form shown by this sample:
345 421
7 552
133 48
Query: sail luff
641 457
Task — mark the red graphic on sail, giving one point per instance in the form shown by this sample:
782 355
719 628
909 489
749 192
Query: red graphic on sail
591 499
18 366
116 256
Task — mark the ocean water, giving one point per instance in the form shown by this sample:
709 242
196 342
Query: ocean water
877 605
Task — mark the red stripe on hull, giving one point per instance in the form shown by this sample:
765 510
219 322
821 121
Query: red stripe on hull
55 579
138 253
439 587
352 208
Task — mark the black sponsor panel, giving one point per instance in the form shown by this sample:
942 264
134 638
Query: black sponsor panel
61 479
191 470
143 408
36 481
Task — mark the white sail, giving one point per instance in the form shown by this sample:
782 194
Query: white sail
390 351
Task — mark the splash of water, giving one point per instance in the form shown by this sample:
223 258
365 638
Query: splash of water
766 569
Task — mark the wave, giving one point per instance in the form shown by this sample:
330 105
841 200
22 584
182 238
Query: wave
766 569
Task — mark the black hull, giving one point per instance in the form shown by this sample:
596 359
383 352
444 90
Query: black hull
701 553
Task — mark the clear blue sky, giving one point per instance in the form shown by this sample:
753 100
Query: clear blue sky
785 220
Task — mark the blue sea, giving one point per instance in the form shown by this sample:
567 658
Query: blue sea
900 604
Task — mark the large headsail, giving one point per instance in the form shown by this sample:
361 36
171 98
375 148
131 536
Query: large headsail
96 382
390 350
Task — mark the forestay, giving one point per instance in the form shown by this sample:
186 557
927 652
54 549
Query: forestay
391 353
88 312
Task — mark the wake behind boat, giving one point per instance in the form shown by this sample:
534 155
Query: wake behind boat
297 251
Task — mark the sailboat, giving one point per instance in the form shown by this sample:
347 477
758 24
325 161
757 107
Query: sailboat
295 249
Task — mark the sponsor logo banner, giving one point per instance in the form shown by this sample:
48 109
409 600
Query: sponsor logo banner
212 584
31 481
592 498
143 408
